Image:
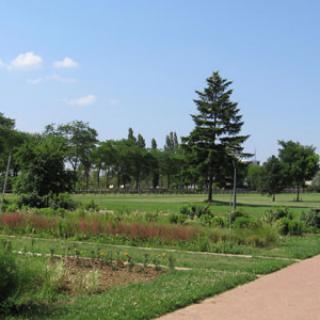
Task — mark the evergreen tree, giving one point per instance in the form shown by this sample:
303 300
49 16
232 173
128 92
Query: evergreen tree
131 137
154 145
216 137
172 142
140 141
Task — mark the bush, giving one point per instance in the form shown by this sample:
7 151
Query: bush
295 228
92 206
244 222
290 227
195 211
274 215
311 218
62 201
284 226
9 281
219 222
236 215
32 200
173 218
178 218
152 216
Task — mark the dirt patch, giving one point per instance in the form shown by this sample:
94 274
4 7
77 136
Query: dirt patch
92 276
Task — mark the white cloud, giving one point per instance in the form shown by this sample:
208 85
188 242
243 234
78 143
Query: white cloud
27 60
66 63
83 101
54 77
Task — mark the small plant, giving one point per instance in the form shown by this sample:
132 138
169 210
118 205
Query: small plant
56 273
51 252
152 216
91 206
295 228
218 222
196 211
244 222
98 253
32 245
77 253
130 263
156 263
234 215
311 218
88 282
145 260
109 258
274 215
7 246
171 262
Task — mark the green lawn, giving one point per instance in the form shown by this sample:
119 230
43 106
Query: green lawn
251 203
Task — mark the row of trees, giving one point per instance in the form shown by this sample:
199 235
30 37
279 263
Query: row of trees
293 167
69 157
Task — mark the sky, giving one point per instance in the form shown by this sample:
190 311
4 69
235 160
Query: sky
120 64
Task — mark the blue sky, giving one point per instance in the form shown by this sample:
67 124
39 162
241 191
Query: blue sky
120 64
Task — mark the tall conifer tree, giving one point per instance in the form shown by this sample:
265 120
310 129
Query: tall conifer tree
216 137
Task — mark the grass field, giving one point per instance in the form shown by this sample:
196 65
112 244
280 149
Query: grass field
197 275
251 203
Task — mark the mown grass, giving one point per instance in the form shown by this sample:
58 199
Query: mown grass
253 204
145 300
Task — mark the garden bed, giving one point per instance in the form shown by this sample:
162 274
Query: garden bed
78 275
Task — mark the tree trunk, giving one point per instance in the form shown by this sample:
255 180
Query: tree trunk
234 200
98 178
273 197
210 190
298 193
107 179
138 184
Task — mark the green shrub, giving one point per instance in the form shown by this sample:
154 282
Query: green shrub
273 215
283 225
219 222
236 215
62 201
196 211
32 200
206 220
295 228
290 227
173 218
244 222
9 280
311 218
92 206
152 216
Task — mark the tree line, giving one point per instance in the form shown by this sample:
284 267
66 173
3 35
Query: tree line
70 158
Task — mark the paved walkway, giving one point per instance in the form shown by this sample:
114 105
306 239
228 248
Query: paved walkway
292 293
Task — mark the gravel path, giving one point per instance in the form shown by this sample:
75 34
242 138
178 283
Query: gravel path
291 293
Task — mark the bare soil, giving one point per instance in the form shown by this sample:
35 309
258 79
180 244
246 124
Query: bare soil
89 275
